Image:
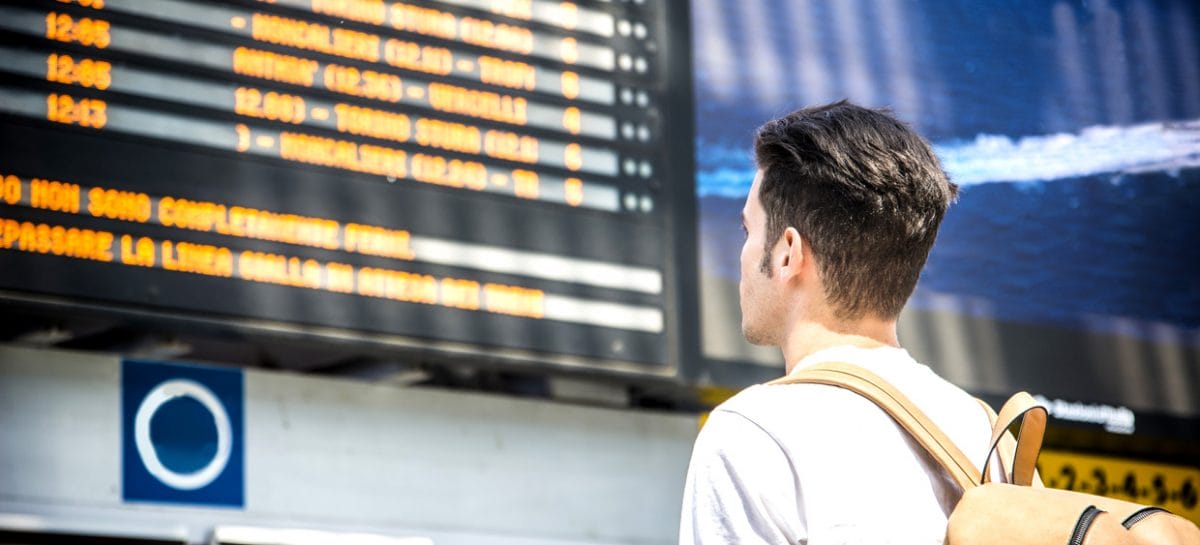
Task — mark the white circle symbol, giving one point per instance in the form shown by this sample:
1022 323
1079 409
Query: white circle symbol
156 398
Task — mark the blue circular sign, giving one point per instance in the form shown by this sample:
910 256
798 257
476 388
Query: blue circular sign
157 400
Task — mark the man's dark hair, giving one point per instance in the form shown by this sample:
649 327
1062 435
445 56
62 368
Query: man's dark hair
864 191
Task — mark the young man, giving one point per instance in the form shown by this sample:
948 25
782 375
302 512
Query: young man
839 222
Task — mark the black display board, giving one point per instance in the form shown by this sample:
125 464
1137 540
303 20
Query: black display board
481 177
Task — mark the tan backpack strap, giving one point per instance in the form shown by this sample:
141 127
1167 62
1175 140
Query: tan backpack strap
1004 452
899 407
1021 406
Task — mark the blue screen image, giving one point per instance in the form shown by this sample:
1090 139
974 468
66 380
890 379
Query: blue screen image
1072 128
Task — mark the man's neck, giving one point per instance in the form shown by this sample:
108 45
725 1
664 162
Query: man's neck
808 338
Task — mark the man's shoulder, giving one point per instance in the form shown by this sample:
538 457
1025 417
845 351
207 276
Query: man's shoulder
819 409
797 407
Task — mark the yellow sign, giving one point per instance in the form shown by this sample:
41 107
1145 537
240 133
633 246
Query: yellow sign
1171 487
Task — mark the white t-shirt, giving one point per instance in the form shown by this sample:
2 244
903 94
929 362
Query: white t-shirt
820 465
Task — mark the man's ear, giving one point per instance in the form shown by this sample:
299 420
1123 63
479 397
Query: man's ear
792 258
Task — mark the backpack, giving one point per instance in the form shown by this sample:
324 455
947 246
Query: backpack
1019 512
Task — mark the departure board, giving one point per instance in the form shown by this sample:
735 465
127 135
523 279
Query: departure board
481 177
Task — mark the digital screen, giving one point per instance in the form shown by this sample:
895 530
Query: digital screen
1068 265
480 176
